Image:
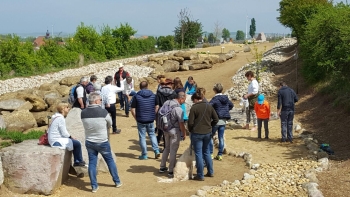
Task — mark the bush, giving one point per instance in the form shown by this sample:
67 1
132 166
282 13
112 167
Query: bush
205 45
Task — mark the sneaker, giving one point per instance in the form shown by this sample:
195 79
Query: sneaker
81 164
143 157
117 132
94 190
170 174
121 108
118 185
161 170
209 175
198 178
219 157
156 154
212 156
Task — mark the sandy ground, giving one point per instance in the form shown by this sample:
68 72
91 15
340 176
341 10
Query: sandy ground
140 177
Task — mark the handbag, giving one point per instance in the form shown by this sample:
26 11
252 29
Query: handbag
44 139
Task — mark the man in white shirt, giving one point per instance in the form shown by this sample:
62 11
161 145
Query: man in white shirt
111 91
128 92
253 90
80 93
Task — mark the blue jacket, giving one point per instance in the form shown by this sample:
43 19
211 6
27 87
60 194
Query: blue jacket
222 106
145 106
191 88
286 98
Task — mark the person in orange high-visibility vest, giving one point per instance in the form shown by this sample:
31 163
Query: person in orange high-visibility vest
262 109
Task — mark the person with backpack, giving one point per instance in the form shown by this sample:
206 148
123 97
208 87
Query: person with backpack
172 123
119 76
163 94
200 122
143 108
111 91
79 93
222 106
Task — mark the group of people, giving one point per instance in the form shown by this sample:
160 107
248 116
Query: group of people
168 107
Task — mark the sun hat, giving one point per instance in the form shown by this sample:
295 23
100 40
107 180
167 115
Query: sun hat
261 99
120 65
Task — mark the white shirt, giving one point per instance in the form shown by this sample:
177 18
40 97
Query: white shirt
111 91
80 92
128 87
253 87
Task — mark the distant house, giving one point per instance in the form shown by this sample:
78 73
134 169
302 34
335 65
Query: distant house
261 37
39 41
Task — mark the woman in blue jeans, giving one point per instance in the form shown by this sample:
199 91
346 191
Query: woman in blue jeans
201 119
222 106
59 137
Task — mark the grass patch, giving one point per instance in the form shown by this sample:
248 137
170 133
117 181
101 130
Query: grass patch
17 137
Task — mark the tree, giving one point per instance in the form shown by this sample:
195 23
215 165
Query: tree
225 34
211 38
166 43
252 28
240 35
294 13
188 31
217 30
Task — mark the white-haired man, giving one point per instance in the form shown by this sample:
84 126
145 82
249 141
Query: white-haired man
80 93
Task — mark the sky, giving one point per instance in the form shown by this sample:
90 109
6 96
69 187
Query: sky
148 17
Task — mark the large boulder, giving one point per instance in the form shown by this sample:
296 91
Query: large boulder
2 124
178 59
49 86
37 102
171 66
184 68
11 104
246 48
63 90
199 66
159 59
19 120
9 95
42 129
68 81
39 93
42 117
26 106
52 94
213 59
76 129
34 169
186 55
222 58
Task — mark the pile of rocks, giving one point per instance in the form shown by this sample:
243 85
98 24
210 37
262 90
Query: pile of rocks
289 178
271 58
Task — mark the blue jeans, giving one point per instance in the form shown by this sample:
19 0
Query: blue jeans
200 144
126 101
143 129
121 99
105 150
221 130
77 154
287 125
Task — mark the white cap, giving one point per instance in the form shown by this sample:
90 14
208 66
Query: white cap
120 65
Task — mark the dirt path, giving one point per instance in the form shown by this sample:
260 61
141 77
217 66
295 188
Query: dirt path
140 177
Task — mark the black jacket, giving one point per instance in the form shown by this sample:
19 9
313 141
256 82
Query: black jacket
286 98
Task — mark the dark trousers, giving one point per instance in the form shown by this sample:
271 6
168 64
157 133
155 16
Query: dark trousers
113 113
266 127
160 136
77 154
287 125
121 99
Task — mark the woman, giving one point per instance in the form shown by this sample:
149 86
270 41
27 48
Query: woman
160 78
191 85
200 122
222 106
59 136
178 87
253 90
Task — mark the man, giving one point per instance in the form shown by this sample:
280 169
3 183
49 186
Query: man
111 91
164 93
96 122
173 136
118 77
128 92
90 85
285 109
143 109
80 93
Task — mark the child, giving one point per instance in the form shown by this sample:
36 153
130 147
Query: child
262 109
191 85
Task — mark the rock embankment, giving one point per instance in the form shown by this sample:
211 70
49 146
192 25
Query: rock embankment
262 71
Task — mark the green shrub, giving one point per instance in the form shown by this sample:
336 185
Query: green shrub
17 137
205 45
